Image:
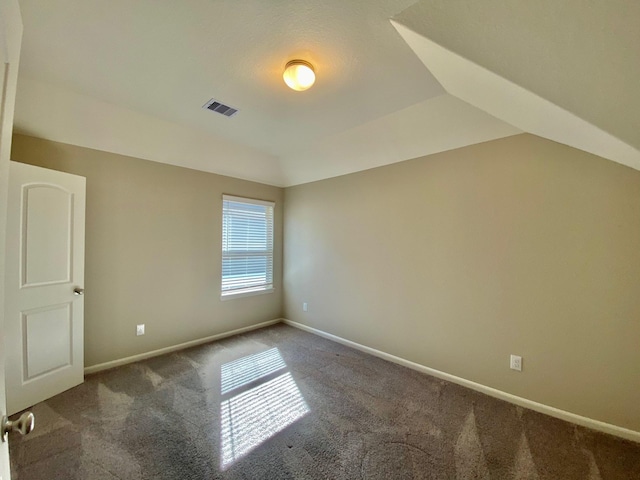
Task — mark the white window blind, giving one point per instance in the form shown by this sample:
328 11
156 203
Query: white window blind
247 245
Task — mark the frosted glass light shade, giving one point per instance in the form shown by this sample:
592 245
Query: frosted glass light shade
299 75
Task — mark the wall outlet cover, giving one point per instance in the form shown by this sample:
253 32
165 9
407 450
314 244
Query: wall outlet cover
516 363
140 329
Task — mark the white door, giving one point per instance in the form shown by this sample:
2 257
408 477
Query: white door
44 281
10 38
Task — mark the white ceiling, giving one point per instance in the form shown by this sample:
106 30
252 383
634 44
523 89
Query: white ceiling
581 55
131 78
514 104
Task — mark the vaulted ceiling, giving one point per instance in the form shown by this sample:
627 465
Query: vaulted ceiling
396 80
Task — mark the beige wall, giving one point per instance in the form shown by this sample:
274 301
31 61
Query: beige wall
153 244
453 261
457 260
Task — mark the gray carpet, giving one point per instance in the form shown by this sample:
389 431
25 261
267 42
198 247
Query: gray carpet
279 403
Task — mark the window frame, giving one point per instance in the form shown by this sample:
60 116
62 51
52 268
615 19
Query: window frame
249 291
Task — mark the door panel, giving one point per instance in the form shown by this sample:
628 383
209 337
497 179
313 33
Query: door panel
45 263
47 227
47 339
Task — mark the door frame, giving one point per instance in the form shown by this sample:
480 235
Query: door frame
10 43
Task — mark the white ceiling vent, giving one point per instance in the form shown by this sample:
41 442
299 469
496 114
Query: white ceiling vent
220 108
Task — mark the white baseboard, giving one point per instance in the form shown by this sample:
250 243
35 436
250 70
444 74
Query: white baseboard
173 348
523 402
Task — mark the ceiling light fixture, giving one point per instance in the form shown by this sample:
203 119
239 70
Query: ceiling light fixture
299 75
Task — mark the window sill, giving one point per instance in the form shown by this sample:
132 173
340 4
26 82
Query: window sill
230 296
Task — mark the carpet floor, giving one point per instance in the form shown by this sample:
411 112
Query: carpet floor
278 403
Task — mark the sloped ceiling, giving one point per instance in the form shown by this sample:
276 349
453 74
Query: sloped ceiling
576 57
583 56
131 77
516 105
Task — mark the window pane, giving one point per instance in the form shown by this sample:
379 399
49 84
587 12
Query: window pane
247 245
244 271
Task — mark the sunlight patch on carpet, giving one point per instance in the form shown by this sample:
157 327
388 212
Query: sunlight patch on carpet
250 368
255 415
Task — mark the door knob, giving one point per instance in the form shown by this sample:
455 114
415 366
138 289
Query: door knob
23 425
78 291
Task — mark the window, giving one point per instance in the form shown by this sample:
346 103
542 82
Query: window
247 246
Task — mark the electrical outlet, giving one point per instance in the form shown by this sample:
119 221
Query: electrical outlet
305 307
516 363
140 329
